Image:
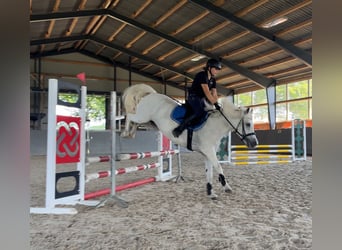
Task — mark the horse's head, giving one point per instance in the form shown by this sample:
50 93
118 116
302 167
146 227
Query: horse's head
245 128
241 120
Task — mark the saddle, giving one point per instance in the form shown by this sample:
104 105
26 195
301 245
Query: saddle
181 112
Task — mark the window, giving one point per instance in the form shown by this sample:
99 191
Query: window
281 110
298 90
260 114
294 101
299 110
95 111
244 99
281 92
259 97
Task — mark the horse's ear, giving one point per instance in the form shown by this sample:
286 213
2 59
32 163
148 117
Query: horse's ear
248 110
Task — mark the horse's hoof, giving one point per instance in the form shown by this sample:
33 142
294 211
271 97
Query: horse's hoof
213 196
124 134
227 188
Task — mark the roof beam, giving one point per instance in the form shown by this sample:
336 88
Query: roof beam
59 39
257 78
109 45
105 60
123 66
53 53
220 89
293 50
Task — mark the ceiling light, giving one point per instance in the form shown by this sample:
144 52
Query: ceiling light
197 58
274 22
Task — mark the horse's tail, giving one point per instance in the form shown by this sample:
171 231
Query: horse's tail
133 94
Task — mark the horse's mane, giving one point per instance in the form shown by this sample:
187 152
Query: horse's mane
229 107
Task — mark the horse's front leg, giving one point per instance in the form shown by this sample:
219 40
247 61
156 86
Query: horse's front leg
209 174
126 132
130 127
224 182
133 130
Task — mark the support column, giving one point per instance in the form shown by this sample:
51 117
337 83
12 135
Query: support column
114 76
271 102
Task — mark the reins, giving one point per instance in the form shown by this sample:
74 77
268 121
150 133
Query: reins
236 131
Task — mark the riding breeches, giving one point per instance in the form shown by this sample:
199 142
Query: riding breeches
197 104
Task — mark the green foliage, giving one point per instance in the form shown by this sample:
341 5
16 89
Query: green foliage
95 104
68 97
281 92
96 107
244 99
259 96
297 90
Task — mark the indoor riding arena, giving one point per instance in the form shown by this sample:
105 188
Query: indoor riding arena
107 172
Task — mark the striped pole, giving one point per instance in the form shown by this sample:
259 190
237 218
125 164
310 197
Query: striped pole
263 146
263 151
106 191
259 162
260 157
95 159
143 155
103 174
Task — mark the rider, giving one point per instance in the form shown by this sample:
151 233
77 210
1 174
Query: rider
203 88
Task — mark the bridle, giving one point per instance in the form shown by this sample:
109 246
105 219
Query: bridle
242 135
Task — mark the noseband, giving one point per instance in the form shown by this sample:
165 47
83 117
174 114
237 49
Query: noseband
242 135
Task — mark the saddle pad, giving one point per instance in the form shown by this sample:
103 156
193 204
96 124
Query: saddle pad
178 114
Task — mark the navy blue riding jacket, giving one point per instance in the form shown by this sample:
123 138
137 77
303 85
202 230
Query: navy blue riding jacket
196 96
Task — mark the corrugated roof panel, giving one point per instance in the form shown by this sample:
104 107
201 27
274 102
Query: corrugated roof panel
41 6
92 46
161 49
234 49
220 36
154 11
178 19
234 6
269 9
292 20
38 29
128 7
80 26
61 25
93 4
71 5
181 58
108 28
127 34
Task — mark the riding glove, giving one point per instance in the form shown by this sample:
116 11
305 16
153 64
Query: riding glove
217 106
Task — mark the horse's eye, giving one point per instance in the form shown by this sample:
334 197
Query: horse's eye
248 124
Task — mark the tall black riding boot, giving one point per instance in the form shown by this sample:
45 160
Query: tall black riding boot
177 131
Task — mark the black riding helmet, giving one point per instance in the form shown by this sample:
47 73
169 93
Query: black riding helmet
213 63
